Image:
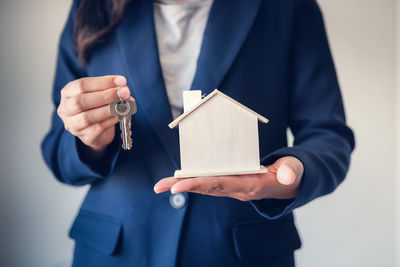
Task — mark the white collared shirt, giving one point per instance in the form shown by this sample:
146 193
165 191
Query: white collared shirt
180 27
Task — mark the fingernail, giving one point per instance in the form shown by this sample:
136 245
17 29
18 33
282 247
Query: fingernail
119 81
285 176
173 190
124 92
155 188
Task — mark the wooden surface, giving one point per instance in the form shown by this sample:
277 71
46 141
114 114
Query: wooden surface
214 93
188 174
190 99
219 137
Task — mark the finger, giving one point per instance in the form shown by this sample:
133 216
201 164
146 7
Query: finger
217 193
220 184
237 195
92 84
285 175
165 184
200 185
87 118
214 188
92 136
97 129
82 102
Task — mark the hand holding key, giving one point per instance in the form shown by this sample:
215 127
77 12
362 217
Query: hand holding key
85 111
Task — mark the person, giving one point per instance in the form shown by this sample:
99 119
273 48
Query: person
273 56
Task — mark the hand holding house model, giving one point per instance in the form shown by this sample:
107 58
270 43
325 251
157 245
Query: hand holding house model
217 136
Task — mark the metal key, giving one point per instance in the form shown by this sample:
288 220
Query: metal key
123 109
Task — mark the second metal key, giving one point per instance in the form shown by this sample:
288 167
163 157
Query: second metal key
123 109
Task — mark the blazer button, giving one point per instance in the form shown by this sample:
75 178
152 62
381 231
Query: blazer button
177 201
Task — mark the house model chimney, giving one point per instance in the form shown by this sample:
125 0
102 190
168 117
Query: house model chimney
191 98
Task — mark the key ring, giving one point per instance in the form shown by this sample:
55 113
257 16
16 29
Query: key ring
121 100
119 94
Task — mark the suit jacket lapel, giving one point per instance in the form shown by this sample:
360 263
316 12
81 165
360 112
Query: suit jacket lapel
228 25
138 43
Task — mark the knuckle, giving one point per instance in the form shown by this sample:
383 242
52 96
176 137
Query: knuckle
99 127
88 139
68 85
62 92
77 103
242 198
59 111
256 190
65 89
68 127
114 120
247 198
85 120
255 186
85 139
80 85
253 194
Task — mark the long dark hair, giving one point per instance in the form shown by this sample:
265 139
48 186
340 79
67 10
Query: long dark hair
94 21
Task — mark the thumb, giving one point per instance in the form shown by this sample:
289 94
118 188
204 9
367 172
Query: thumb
285 174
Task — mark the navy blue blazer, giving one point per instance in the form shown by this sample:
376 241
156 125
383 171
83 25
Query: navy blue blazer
270 55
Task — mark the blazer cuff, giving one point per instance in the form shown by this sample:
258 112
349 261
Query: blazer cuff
275 208
76 167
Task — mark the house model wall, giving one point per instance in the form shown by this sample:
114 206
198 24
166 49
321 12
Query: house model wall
218 136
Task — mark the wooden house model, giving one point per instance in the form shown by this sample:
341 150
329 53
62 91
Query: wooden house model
217 136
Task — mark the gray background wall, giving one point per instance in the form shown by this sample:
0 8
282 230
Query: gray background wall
397 69
354 226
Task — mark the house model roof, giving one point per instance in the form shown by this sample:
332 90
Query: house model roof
211 95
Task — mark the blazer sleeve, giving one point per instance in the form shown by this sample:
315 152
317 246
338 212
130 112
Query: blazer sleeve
323 142
61 150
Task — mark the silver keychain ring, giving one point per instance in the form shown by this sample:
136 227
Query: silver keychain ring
119 93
